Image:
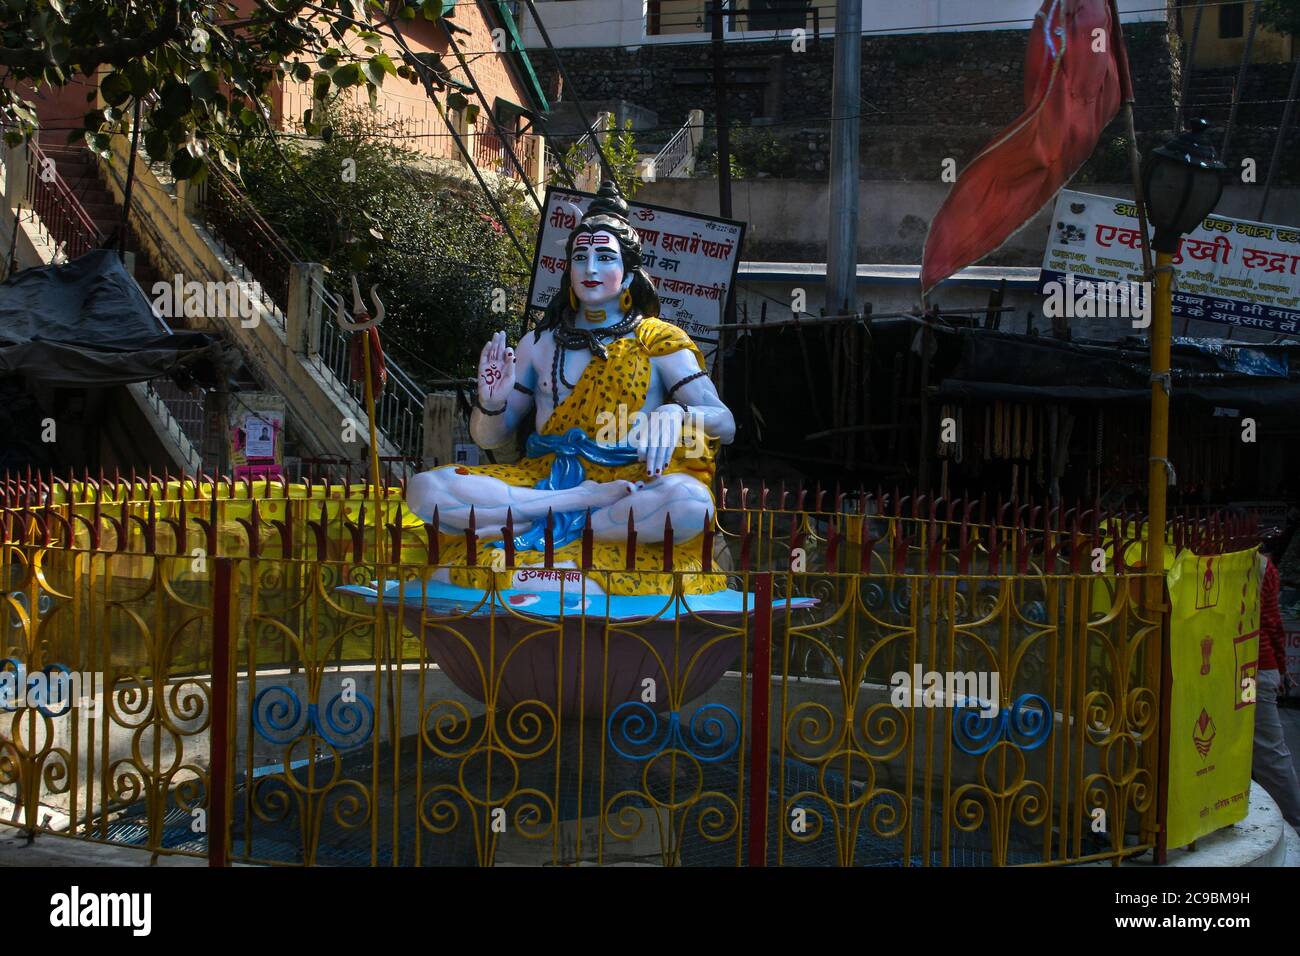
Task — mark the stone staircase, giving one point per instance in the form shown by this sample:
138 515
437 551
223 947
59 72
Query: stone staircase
289 345
61 210
81 173
675 159
288 341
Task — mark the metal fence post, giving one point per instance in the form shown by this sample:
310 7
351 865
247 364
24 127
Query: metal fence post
220 734
760 690
1161 854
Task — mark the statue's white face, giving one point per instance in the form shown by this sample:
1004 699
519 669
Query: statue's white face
596 269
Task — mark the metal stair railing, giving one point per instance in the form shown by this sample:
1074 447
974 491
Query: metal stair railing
187 409
677 152
399 407
252 245
587 151
65 219
265 258
61 215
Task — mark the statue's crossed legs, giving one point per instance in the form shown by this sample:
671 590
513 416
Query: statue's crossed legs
682 498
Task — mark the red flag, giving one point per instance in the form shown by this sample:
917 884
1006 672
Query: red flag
1075 76
357 359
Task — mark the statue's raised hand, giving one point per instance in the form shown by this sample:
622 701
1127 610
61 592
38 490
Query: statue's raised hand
496 373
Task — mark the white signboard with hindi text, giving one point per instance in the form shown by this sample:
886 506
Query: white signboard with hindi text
1230 271
690 259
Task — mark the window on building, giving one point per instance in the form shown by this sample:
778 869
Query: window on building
778 14
1232 20
509 115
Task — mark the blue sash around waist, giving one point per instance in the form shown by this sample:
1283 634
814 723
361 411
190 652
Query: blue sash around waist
570 449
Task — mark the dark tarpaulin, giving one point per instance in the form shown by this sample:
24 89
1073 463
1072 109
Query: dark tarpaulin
88 323
1020 367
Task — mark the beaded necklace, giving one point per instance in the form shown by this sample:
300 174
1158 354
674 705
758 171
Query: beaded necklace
568 336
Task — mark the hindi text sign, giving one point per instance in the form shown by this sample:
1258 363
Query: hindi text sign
1230 271
691 259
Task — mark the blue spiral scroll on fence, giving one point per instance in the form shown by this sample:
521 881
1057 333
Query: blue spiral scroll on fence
277 720
637 725
1027 728
20 689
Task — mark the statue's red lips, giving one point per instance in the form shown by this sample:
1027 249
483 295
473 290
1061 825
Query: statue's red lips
591 284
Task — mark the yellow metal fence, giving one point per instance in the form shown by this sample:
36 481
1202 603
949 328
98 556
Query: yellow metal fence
247 709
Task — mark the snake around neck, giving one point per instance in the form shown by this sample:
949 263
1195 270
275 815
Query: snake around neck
570 337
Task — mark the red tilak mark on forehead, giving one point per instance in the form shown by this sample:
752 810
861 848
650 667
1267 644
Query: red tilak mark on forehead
585 239
594 239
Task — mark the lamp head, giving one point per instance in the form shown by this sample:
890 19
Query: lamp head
1181 182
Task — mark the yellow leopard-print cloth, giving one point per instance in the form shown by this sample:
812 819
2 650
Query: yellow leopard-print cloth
623 378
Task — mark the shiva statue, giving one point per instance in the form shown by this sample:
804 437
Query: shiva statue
627 420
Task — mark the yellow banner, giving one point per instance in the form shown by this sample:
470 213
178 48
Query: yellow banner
1214 654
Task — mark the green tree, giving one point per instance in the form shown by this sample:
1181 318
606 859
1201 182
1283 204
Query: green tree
447 273
200 72
1283 16
619 147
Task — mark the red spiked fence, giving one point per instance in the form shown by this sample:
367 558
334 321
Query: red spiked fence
756 527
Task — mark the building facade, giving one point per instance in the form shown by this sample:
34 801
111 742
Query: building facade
491 57
603 23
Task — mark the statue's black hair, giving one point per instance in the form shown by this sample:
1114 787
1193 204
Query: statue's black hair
607 213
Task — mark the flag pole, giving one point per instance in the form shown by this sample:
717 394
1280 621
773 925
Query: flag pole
381 497
1134 157
1159 301
363 324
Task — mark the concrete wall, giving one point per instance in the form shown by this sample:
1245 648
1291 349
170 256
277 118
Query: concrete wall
787 219
787 223
1215 50
918 80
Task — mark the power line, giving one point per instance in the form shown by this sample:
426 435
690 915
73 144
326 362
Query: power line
803 121
606 169
424 72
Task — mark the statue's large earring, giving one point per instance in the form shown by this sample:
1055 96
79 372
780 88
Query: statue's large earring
573 300
625 300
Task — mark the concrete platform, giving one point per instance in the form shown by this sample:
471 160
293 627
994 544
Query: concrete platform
1262 839
52 850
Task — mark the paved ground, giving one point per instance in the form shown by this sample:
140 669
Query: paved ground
1291 727
51 850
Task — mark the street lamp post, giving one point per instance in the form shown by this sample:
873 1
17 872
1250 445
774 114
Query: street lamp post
1182 181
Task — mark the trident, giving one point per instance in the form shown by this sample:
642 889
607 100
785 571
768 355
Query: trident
359 308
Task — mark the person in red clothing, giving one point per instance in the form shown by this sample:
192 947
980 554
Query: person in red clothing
1272 765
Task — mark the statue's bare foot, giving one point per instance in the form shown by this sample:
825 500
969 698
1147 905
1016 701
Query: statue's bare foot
602 494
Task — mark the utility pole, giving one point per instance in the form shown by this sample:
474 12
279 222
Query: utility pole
846 108
718 11
841 262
